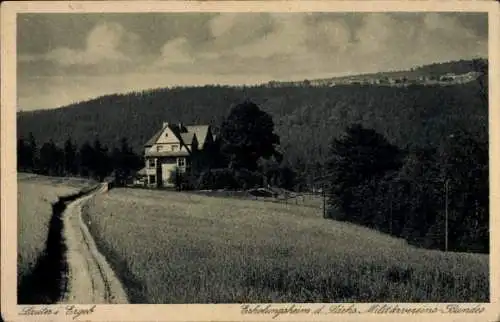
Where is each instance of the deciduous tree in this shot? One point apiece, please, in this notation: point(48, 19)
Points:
point(247, 135)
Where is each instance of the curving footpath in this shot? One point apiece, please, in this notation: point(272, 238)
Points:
point(90, 279)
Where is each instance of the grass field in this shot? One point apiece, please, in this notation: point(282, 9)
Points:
point(170, 247)
point(35, 196)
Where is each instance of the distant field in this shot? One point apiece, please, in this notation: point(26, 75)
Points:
point(170, 247)
point(35, 196)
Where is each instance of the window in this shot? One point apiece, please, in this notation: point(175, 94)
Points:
point(175, 147)
point(181, 162)
point(152, 163)
point(159, 148)
point(152, 179)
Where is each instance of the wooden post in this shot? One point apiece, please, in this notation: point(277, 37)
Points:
point(390, 207)
point(446, 216)
point(324, 202)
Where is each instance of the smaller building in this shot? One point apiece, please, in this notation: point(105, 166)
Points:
point(140, 178)
point(447, 77)
point(176, 149)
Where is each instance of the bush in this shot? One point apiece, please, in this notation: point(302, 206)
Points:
point(247, 179)
point(229, 179)
point(217, 179)
point(182, 180)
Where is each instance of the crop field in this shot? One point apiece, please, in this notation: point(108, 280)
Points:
point(35, 196)
point(171, 247)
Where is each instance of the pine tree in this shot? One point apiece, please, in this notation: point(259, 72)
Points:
point(359, 156)
point(70, 166)
point(32, 154)
point(101, 163)
point(86, 162)
point(22, 155)
point(50, 159)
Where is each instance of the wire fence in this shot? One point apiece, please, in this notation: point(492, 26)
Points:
point(313, 200)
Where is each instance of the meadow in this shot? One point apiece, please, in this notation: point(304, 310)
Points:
point(172, 247)
point(35, 196)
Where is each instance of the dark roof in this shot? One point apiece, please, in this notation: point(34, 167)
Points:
point(201, 132)
point(183, 133)
point(187, 138)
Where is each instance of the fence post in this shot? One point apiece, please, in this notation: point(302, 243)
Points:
point(446, 216)
point(324, 202)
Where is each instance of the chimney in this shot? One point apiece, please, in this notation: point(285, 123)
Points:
point(181, 127)
point(165, 124)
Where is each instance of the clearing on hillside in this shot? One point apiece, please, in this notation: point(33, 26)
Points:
point(170, 247)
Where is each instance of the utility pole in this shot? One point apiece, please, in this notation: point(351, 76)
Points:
point(390, 207)
point(446, 216)
point(324, 180)
point(324, 201)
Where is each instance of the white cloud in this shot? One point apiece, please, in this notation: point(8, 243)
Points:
point(244, 48)
point(331, 35)
point(287, 38)
point(237, 28)
point(104, 43)
point(175, 51)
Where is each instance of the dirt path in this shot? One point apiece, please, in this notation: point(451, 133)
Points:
point(90, 279)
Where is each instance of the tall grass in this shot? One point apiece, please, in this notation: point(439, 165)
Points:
point(36, 196)
point(34, 214)
point(172, 247)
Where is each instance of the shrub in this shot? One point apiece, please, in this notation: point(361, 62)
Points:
point(248, 179)
point(182, 180)
point(229, 179)
point(217, 179)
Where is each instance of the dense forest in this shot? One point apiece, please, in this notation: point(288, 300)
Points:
point(410, 161)
point(90, 160)
point(306, 119)
point(432, 197)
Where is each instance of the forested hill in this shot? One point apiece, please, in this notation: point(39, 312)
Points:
point(306, 118)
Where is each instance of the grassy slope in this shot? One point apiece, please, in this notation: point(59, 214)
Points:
point(171, 247)
point(35, 196)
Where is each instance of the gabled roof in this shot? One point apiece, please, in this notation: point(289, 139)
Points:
point(187, 138)
point(201, 132)
point(155, 137)
point(184, 134)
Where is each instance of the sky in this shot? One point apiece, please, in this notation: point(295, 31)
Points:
point(67, 57)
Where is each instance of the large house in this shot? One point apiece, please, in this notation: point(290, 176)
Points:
point(175, 148)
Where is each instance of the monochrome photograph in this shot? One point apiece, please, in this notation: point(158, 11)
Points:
point(252, 157)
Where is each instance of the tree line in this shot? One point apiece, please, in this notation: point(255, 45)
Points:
point(244, 155)
point(305, 118)
point(435, 198)
point(90, 160)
